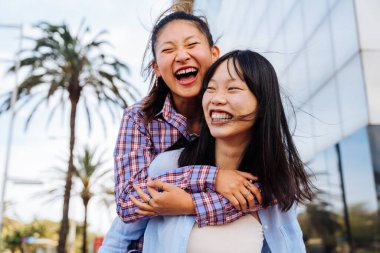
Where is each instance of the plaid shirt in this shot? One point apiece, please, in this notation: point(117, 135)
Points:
point(138, 144)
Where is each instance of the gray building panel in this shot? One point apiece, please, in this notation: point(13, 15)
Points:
point(327, 56)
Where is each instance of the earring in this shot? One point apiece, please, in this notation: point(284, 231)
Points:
point(156, 82)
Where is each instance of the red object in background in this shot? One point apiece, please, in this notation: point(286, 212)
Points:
point(98, 242)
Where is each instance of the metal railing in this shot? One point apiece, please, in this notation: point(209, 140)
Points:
point(10, 134)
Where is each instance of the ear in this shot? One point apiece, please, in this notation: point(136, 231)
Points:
point(156, 69)
point(215, 53)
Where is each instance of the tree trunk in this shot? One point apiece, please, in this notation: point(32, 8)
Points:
point(84, 246)
point(70, 171)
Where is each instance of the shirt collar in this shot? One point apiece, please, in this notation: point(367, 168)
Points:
point(169, 114)
point(168, 110)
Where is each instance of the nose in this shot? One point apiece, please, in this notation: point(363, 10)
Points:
point(182, 55)
point(218, 98)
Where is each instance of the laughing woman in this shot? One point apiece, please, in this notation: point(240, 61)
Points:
point(244, 127)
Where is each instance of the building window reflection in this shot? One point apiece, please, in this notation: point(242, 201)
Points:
point(344, 214)
point(358, 174)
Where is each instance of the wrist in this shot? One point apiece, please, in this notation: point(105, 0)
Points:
point(217, 177)
point(190, 205)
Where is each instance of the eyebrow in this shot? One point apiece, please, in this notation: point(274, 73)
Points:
point(228, 80)
point(171, 43)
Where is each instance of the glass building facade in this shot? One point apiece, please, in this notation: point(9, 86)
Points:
point(325, 56)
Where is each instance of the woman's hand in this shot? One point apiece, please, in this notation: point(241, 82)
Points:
point(237, 187)
point(172, 200)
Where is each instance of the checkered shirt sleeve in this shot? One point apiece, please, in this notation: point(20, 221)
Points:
point(133, 154)
point(214, 209)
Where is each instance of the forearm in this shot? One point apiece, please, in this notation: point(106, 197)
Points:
point(210, 208)
point(121, 235)
point(176, 200)
point(194, 178)
point(190, 178)
point(199, 180)
point(133, 154)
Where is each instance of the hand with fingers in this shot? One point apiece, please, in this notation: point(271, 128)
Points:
point(163, 199)
point(237, 187)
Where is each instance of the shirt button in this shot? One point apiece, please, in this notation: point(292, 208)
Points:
point(265, 227)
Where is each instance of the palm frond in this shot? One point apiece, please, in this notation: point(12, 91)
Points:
point(110, 110)
point(88, 114)
point(102, 121)
point(6, 103)
point(63, 103)
point(106, 75)
point(33, 112)
point(52, 89)
point(29, 83)
point(101, 176)
point(99, 34)
point(97, 43)
point(120, 100)
point(52, 113)
point(81, 31)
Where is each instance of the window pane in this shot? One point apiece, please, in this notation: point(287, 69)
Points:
point(352, 97)
point(314, 13)
point(325, 226)
point(374, 138)
point(321, 220)
point(360, 189)
point(326, 118)
point(344, 32)
point(320, 57)
point(298, 83)
point(294, 30)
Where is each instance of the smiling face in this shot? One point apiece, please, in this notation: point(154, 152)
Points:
point(183, 55)
point(229, 105)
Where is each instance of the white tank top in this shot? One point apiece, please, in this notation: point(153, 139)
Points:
point(244, 235)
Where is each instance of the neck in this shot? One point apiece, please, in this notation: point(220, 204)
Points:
point(228, 153)
point(190, 109)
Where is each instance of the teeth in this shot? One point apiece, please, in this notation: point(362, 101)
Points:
point(185, 71)
point(220, 116)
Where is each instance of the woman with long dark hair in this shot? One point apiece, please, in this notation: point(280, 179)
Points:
point(244, 127)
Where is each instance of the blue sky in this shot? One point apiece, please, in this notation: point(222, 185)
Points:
point(38, 150)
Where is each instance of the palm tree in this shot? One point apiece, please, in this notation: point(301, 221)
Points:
point(91, 181)
point(88, 175)
point(70, 69)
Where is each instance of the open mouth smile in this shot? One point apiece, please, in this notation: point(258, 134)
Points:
point(186, 75)
point(220, 117)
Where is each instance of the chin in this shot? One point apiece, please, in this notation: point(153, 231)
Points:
point(218, 134)
point(189, 94)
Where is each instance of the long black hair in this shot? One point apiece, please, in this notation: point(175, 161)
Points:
point(158, 91)
point(271, 154)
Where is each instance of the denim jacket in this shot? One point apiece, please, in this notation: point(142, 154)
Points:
point(169, 234)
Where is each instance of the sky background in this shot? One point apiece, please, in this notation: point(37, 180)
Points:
point(38, 150)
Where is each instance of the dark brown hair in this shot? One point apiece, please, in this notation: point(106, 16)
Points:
point(271, 154)
point(158, 90)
